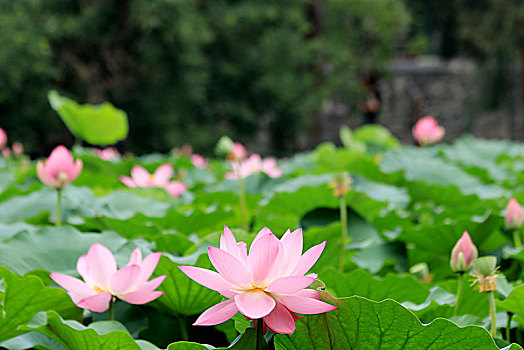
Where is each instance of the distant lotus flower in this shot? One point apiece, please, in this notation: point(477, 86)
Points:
point(18, 148)
point(198, 161)
point(463, 254)
point(3, 138)
point(238, 152)
point(103, 281)
point(140, 177)
point(107, 154)
point(269, 283)
point(59, 168)
point(6, 152)
point(514, 214)
point(427, 131)
point(252, 165)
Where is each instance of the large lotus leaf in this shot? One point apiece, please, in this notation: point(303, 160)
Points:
point(360, 282)
point(123, 205)
point(97, 124)
point(363, 324)
point(514, 302)
point(53, 249)
point(247, 340)
point(195, 220)
point(182, 294)
point(472, 302)
point(74, 336)
point(376, 135)
point(9, 230)
point(26, 296)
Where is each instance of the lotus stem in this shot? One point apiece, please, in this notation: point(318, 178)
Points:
point(242, 197)
point(492, 314)
point(111, 311)
point(508, 326)
point(344, 231)
point(58, 221)
point(183, 328)
point(260, 334)
point(516, 238)
point(459, 293)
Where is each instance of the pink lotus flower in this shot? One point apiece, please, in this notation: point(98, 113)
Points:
point(6, 152)
point(107, 154)
point(18, 148)
point(238, 152)
point(103, 281)
point(198, 161)
point(427, 131)
point(514, 215)
point(3, 138)
point(140, 177)
point(253, 165)
point(268, 283)
point(463, 254)
point(59, 168)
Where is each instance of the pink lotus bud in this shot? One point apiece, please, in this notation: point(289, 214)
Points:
point(59, 168)
point(238, 152)
point(198, 161)
point(270, 283)
point(103, 281)
point(176, 188)
point(427, 131)
point(6, 152)
point(463, 254)
point(18, 148)
point(3, 138)
point(514, 215)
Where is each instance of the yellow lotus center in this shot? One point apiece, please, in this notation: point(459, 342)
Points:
point(152, 177)
point(98, 289)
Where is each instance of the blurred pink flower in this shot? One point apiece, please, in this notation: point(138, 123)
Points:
point(253, 165)
point(268, 283)
point(6, 152)
point(107, 154)
point(198, 161)
point(3, 138)
point(59, 168)
point(140, 177)
point(463, 254)
point(18, 148)
point(427, 131)
point(514, 215)
point(238, 152)
point(103, 281)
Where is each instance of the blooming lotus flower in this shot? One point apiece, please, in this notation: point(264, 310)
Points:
point(198, 161)
point(107, 154)
point(3, 138)
point(253, 165)
point(427, 131)
point(463, 254)
point(140, 177)
point(103, 281)
point(59, 168)
point(514, 215)
point(269, 283)
point(18, 148)
point(238, 152)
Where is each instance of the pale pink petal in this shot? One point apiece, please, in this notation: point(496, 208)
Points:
point(72, 284)
point(228, 242)
point(141, 176)
point(124, 279)
point(289, 284)
point(303, 305)
point(292, 243)
point(264, 231)
point(242, 251)
point(309, 259)
point(207, 278)
point(280, 320)
point(83, 269)
point(44, 176)
point(264, 259)
point(219, 313)
point(198, 161)
point(74, 171)
point(139, 298)
point(230, 267)
point(255, 303)
point(60, 160)
point(136, 257)
point(163, 174)
point(126, 180)
point(152, 285)
point(176, 188)
point(308, 293)
point(148, 266)
point(102, 265)
point(96, 303)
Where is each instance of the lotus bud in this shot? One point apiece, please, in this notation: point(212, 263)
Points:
point(3, 138)
point(427, 131)
point(514, 214)
point(224, 146)
point(18, 148)
point(463, 254)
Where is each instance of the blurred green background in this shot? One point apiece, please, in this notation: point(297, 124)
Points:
point(188, 71)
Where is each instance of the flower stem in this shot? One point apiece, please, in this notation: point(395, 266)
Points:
point(508, 326)
point(183, 328)
point(111, 311)
point(459, 293)
point(493, 314)
point(58, 221)
point(242, 197)
point(260, 334)
point(516, 238)
point(344, 231)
